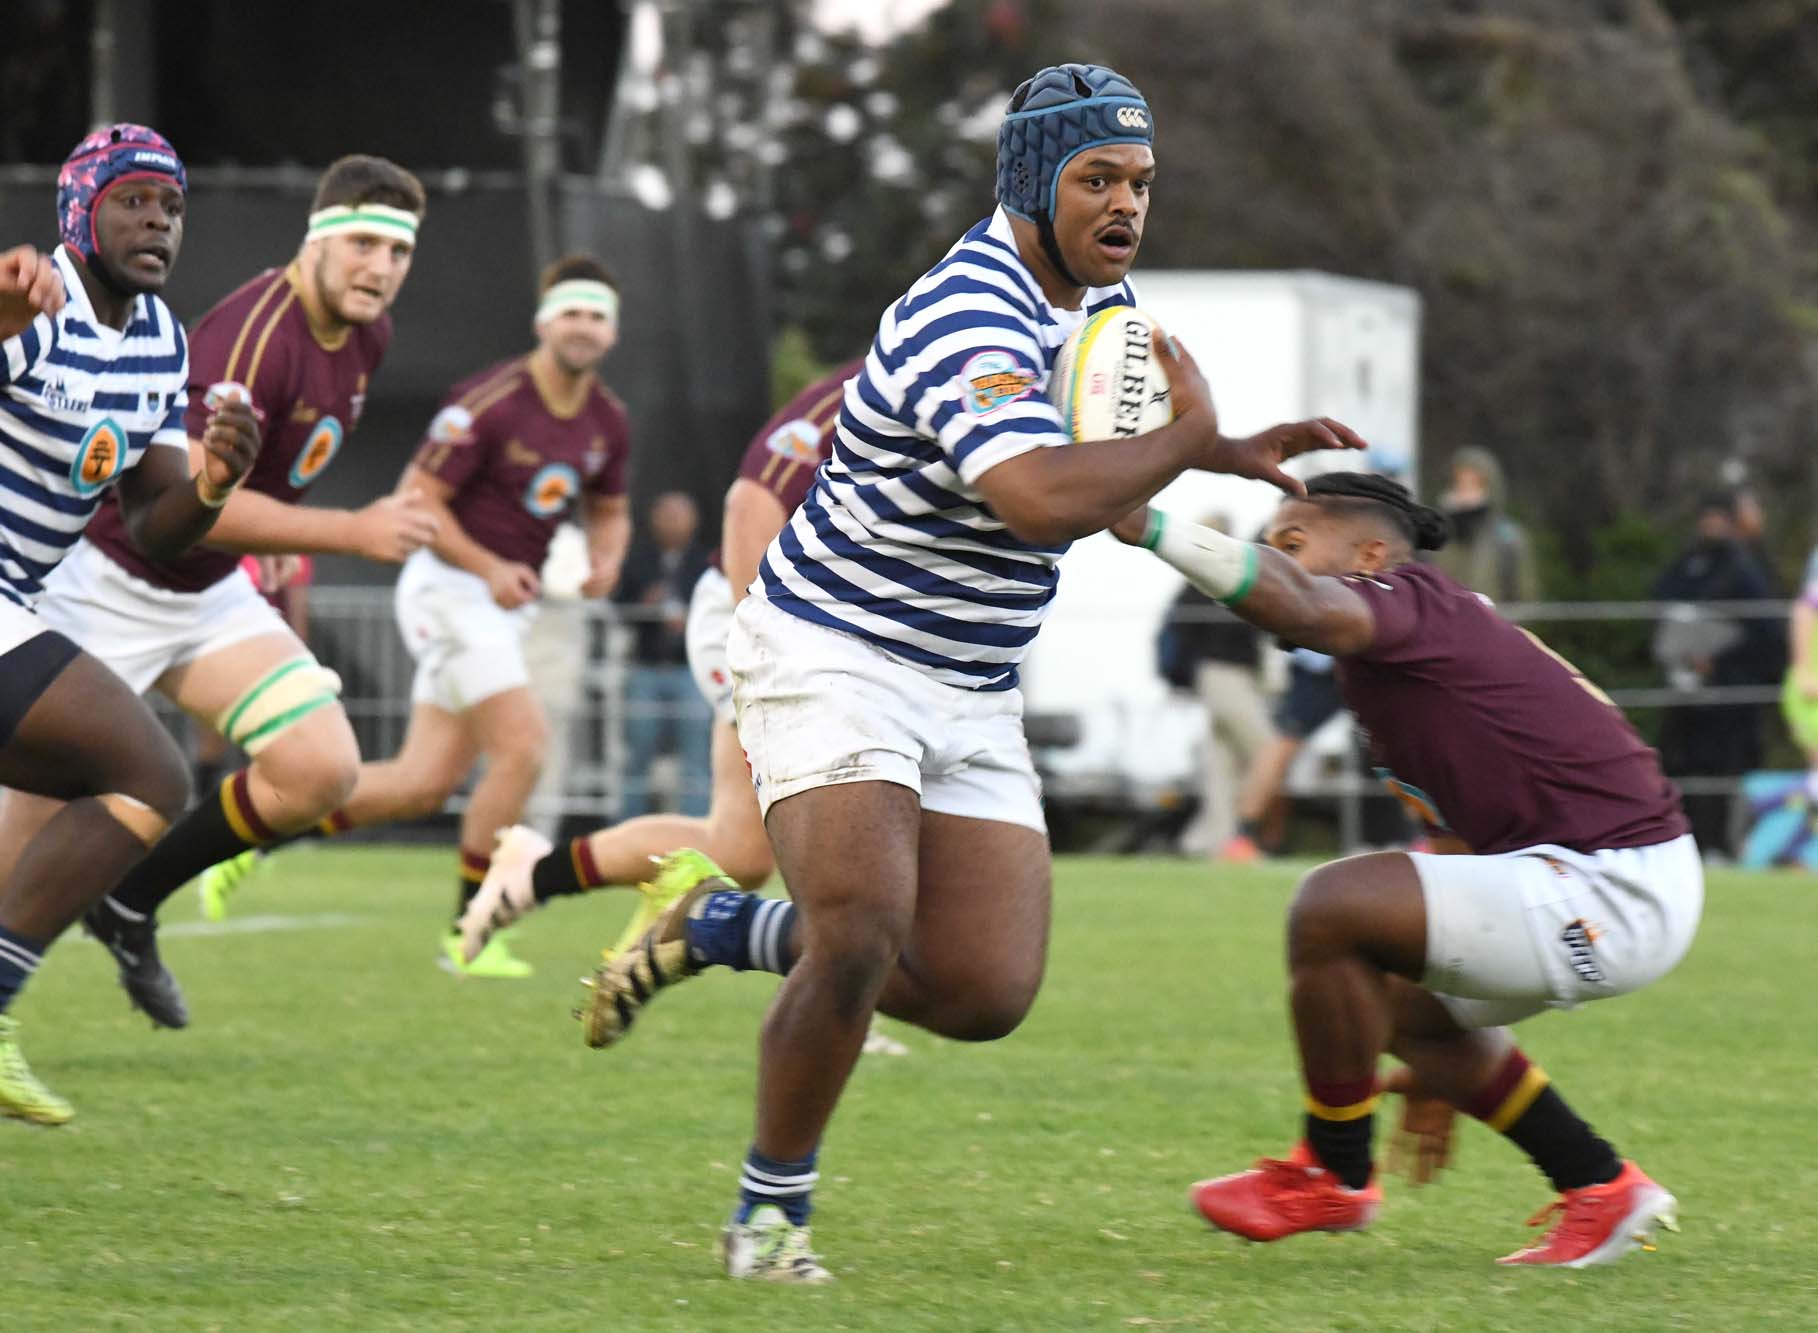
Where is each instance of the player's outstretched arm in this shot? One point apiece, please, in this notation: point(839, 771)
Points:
point(167, 508)
point(29, 286)
point(1054, 495)
point(1256, 582)
point(386, 531)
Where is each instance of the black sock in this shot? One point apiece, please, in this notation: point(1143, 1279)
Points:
point(1340, 1127)
point(567, 869)
point(1519, 1102)
point(222, 826)
point(473, 870)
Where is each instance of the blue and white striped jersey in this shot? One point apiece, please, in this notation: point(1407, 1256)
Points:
point(894, 543)
point(79, 404)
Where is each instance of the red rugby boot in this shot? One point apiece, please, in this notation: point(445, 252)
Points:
point(1283, 1198)
point(1600, 1223)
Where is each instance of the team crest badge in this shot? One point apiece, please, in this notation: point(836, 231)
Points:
point(452, 425)
point(994, 379)
point(551, 489)
point(317, 453)
point(100, 458)
point(797, 441)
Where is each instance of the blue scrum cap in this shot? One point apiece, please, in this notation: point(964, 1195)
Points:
point(1054, 116)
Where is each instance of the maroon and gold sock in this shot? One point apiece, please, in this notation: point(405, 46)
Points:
point(1520, 1103)
point(473, 869)
point(570, 869)
point(1340, 1121)
point(217, 828)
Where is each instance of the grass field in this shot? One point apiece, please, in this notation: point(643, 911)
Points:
point(349, 1138)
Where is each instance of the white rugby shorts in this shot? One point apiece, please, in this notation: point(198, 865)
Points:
point(1550, 928)
point(709, 622)
point(140, 631)
point(817, 708)
point(467, 647)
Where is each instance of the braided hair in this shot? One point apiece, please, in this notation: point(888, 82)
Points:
point(1369, 492)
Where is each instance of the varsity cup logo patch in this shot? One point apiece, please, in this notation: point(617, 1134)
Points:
point(317, 453)
point(550, 491)
point(994, 379)
point(796, 440)
point(100, 458)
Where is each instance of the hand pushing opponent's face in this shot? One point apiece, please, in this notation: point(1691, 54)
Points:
point(1100, 204)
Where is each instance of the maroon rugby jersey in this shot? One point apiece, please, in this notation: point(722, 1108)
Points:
point(1489, 734)
point(789, 449)
point(517, 464)
point(311, 395)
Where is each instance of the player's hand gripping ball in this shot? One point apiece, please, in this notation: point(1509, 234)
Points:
point(1108, 382)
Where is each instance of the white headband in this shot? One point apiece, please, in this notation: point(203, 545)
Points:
point(579, 294)
point(395, 224)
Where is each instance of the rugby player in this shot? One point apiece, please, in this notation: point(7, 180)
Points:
point(527, 871)
point(304, 341)
point(875, 661)
point(1577, 879)
point(94, 371)
point(775, 473)
point(512, 453)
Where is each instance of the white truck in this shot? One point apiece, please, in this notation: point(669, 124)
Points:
point(1273, 347)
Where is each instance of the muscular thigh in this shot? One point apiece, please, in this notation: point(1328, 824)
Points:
point(208, 686)
point(983, 906)
point(849, 855)
point(88, 734)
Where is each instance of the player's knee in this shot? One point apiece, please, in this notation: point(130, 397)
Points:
point(853, 952)
point(992, 1016)
point(525, 750)
point(1322, 916)
point(313, 773)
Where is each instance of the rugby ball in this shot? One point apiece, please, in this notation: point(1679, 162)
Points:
point(1107, 380)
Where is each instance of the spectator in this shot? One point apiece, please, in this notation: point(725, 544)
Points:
point(1308, 703)
point(661, 701)
point(1489, 551)
point(1700, 648)
point(1751, 530)
point(1207, 650)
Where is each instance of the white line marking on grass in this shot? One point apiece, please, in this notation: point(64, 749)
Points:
point(260, 925)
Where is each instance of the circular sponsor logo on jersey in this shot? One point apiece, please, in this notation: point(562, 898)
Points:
point(796, 440)
point(318, 452)
point(551, 490)
point(100, 458)
point(993, 379)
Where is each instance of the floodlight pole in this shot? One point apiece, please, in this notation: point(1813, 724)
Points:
point(538, 27)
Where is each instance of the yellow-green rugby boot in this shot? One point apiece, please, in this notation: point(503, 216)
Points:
point(22, 1096)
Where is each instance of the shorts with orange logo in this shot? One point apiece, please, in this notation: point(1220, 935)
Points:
point(1550, 928)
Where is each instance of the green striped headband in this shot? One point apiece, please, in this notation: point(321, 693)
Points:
point(394, 224)
point(579, 294)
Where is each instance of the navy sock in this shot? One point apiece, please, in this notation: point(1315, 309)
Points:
point(788, 1185)
point(19, 958)
point(743, 931)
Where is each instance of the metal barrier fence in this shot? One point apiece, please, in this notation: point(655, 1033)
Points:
point(582, 659)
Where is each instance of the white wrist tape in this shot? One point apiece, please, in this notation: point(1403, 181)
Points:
point(1219, 566)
